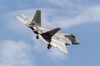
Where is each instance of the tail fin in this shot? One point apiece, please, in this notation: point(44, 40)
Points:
point(37, 18)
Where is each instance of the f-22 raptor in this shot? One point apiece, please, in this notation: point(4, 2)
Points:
point(51, 37)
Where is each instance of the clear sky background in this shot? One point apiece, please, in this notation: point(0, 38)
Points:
point(19, 47)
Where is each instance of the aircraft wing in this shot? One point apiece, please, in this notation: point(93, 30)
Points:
point(59, 45)
point(63, 48)
point(54, 42)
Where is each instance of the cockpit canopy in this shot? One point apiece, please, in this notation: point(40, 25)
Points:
point(70, 35)
point(72, 38)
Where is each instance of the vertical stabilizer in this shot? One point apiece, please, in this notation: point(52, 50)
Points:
point(37, 18)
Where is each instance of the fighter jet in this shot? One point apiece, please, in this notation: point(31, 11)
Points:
point(52, 38)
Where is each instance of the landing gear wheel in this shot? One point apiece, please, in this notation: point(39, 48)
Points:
point(49, 46)
point(37, 37)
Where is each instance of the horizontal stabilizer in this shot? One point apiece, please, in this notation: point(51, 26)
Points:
point(48, 35)
point(51, 32)
point(20, 19)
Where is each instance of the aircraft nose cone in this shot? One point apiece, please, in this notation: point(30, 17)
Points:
point(77, 42)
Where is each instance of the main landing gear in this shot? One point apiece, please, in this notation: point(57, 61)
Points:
point(37, 37)
point(49, 46)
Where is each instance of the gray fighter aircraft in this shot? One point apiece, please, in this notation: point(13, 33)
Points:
point(50, 37)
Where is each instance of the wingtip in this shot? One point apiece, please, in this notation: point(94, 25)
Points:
point(58, 28)
point(17, 17)
point(67, 53)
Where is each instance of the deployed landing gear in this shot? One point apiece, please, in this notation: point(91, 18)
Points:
point(37, 37)
point(49, 46)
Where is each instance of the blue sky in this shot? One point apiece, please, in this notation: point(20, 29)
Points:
point(19, 47)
